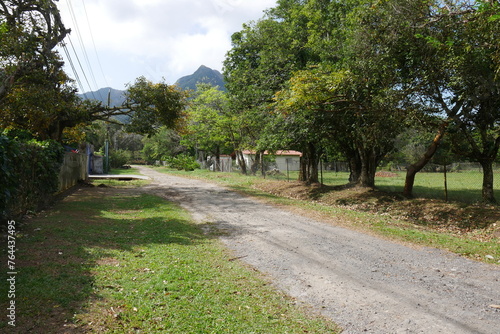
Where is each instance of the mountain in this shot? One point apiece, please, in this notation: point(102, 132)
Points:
point(116, 97)
point(202, 75)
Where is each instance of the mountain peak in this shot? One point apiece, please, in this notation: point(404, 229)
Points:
point(203, 74)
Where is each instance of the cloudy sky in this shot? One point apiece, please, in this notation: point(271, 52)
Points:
point(125, 39)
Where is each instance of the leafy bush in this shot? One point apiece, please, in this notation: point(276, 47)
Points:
point(29, 174)
point(118, 158)
point(183, 162)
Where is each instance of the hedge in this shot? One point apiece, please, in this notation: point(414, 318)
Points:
point(29, 172)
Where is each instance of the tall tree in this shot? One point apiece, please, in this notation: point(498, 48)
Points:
point(209, 125)
point(260, 62)
point(29, 32)
point(152, 105)
point(450, 55)
point(355, 88)
point(36, 94)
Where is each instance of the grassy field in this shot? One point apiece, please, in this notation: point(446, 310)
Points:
point(463, 186)
point(114, 261)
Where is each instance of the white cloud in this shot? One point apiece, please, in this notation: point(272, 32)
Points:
point(161, 38)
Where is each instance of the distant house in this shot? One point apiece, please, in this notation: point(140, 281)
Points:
point(285, 159)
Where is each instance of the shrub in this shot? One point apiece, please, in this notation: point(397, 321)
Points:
point(29, 174)
point(183, 162)
point(118, 158)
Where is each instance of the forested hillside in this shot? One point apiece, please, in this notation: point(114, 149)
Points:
point(202, 75)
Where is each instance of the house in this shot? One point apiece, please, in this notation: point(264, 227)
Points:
point(284, 159)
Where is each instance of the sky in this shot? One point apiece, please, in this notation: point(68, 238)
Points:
point(117, 41)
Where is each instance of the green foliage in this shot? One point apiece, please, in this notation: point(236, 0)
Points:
point(165, 143)
point(183, 162)
point(43, 104)
point(454, 63)
point(210, 126)
point(154, 105)
point(29, 174)
point(119, 158)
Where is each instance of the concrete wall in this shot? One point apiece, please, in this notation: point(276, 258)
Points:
point(74, 168)
point(281, 161)
point(97, 165)
point(293, 163)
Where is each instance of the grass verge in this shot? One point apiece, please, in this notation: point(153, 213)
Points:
point(468, 230)
point(111, 261)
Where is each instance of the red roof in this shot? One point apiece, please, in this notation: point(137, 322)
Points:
point(279, 152)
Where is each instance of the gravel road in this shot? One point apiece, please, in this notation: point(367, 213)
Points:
point(364, 284)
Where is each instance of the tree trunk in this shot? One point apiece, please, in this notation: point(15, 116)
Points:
point(488, 193)
point(217, 159)
point(445, 183)
point(485, 154)
point(313, 165)
point(257, 162)
point(241, 162)
point(309, 165)
point(303, 167)
point(355, 167)
point(263, 165)
point(424, 160)
point(369, 162)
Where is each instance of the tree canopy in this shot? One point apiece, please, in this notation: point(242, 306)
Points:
point(38, 96)
point(351, 76)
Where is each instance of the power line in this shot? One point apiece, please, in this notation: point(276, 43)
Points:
point(70, 60)
point(81, 67)
point(93, 43)
point(84, 53)
point(82, 46)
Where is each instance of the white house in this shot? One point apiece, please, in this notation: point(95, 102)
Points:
point(285, 159)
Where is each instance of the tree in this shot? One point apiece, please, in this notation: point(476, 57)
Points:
point(450, 54)
point(354, 89)
point(361, 119)
point(260, 62)
point(45, 105)
point(152, 105)
point(36, 94)
point(209, 126)
point(161, 145)
point(29, 32)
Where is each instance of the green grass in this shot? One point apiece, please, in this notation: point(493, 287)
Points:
point(135, 263)
point(462, 187)
point(124, 171)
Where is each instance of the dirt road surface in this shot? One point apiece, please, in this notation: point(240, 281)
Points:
point(364, 284)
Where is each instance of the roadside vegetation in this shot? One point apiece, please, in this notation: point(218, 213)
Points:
point(471, 230)
point(107, 260)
